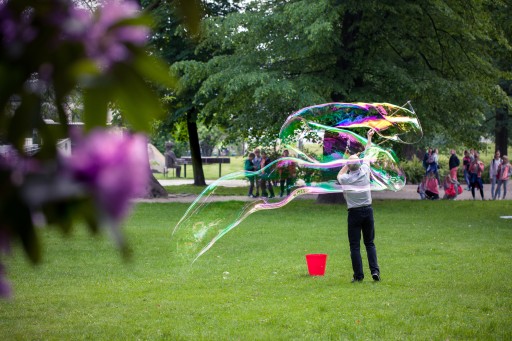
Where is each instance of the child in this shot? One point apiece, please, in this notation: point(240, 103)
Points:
point(502, 177)
point(249, 167)
point(421, 188)
point(432, 187)
point(451, 188)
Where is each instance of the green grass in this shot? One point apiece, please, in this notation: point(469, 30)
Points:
point(445, 271)
point(196, 190)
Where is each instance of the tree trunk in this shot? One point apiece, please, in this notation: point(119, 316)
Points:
point(502, 121)
point(155, 190)
point(195, 150)
point(501, 130)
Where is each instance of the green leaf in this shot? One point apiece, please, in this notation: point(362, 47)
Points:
point(96, 101)
point(154, 70)
point(138, 102)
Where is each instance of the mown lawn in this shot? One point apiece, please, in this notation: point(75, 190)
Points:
point(445, 271)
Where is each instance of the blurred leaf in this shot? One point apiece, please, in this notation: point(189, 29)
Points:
point(23, 122)
point(84, 70)
point(142, 20)
point(96, 101)
point(139, 104)
point(155, 70)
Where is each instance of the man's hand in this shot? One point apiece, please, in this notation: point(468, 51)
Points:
point(369, 135)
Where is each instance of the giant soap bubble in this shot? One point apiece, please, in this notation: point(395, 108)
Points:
point(320, 139)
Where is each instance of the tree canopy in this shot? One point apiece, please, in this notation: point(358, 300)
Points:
point(275, 57)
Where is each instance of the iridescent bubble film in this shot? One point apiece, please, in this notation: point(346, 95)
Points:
point(319, 140)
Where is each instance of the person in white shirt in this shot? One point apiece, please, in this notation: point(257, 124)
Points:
point(493, 171)
point(355, 181)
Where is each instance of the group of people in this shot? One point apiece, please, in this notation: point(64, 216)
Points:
point(285, 172)
point(499, 172)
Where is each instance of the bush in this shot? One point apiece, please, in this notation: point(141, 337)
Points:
point(413, 169)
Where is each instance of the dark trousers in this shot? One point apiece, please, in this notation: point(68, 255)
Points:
point(287, 184)
point(251, 184)
point(360, 220)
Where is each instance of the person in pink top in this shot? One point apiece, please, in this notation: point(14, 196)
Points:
point(432, 186)
point(503, 175)
point(476, 168)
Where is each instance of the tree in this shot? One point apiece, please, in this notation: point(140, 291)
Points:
point(277, 57)
point(174, 40)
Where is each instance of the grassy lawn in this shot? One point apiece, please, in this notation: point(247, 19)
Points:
point(445, 271)
point(220, 190)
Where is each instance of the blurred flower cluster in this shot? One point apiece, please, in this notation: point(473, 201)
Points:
point(49, 50)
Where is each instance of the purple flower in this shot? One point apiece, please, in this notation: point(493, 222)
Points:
point(15, 31)
point(108, 44)
point(114, 167)
point(75, 24)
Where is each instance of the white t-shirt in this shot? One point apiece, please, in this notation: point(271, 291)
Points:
point(356, 186)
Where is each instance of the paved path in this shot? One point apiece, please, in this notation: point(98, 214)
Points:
point(407, 193)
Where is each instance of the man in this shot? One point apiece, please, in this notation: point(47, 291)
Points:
point(355, 179)
point(453, 164)
point(170, 159)
point(425, 159)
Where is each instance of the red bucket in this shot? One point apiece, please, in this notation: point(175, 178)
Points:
point(316, 264)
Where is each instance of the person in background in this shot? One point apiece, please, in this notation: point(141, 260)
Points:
point(171, 161)
point(266, 181)
point(503, 175)
point(466, 161)
point(249, 167)
point(360, 213)
point(493, 171)
point(287, 173)
point(453, 164)
point(476, 168)
point(421, 188)
point(451, 187)
point(432, 187)
point(425, 159)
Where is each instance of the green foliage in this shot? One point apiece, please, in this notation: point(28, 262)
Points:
point(277, 57)
point(414, 171)
point(441, 262)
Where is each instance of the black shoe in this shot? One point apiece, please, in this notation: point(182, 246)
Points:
point(272, 196)
point(376, 277)
point(356, 280)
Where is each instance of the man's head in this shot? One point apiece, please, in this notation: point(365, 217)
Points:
point(169, 145)
point(353, 165)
